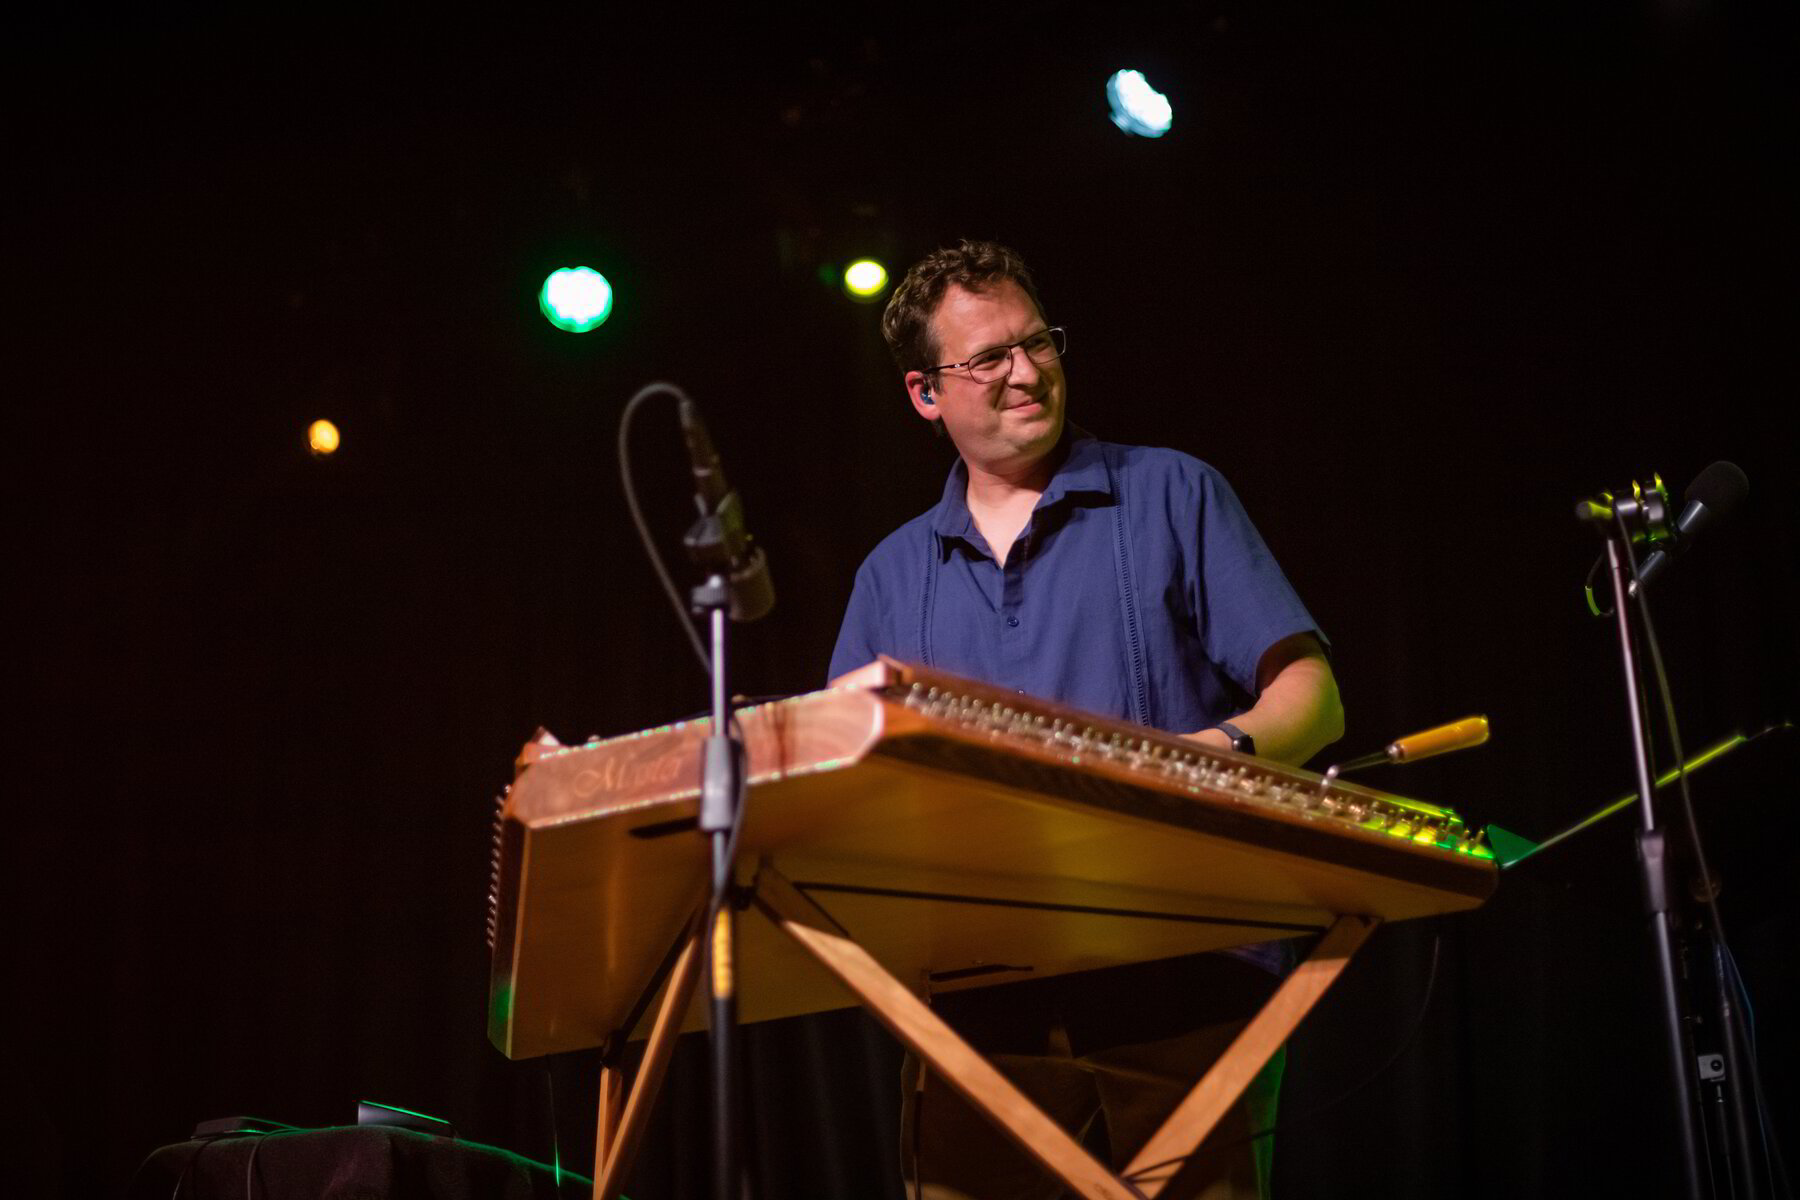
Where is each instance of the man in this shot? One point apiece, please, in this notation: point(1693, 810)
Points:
point(1123, 580)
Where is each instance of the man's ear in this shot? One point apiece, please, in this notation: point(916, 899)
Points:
point(924, 400)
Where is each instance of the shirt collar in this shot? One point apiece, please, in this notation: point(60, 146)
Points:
point(1083, 470)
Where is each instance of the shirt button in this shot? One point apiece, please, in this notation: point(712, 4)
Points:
point(1012, 622)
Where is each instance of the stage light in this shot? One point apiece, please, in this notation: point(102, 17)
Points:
point(865, 279)
point(1138, 108)
point(323, 437)
point(576, 299)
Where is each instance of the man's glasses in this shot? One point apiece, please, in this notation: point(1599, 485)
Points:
point(1042, 347)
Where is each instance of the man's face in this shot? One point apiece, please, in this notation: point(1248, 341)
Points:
point(1008, 424)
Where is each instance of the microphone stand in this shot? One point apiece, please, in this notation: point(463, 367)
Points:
point(1653, 867)
point(722, 786)
point(736, 587)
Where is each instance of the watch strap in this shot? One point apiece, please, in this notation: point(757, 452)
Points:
point(1242, 742)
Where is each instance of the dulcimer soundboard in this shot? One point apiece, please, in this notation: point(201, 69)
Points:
point(965, 835)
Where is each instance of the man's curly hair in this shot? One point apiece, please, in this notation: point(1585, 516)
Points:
point(972, 265)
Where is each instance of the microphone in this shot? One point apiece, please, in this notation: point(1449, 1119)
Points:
point(710, 487)
point(1712, 497)
point(719, 541)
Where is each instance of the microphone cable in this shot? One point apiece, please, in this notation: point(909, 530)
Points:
point(637, 515)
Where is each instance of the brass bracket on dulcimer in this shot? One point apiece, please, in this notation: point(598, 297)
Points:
point(1198, 769)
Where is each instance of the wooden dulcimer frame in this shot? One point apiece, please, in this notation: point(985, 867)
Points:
point(911, 832)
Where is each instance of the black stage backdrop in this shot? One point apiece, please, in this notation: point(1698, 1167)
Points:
point(1414, 282)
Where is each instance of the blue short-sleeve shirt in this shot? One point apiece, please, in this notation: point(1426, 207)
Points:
point(1139, 589)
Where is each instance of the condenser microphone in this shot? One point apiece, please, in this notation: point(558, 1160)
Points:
point(745, 568)
point(1714, 495)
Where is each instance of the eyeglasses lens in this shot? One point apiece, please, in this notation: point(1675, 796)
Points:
point(1045, 346)
point(990, 365)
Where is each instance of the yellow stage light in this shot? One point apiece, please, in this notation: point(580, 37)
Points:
point(323, 437)
point(865, 279)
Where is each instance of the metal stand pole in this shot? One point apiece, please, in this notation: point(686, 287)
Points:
point(721, 787)
point(1654, 868)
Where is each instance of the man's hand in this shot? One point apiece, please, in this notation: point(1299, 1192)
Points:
point(1215, 738)
point(870, 675)
point(1297, 712)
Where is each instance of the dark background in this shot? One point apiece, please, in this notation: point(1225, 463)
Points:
point(1414, 281)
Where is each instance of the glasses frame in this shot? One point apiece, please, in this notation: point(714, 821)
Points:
point(1059, 338)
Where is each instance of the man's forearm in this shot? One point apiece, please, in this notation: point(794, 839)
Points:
point(1297, 715)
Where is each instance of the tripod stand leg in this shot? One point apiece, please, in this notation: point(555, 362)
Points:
point(612, 1110)
point(619, 1143)
point(935, 1042)
point(1220, 1088)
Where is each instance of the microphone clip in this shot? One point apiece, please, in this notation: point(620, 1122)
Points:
point(719, 544)
point(1647, 514)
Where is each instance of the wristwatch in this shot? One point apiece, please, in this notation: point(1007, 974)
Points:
point(1242, 742)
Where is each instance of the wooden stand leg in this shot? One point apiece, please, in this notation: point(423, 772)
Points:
point(935, 1042)
point(612, 1107)
point(1196, 1116)
point(619, 1131)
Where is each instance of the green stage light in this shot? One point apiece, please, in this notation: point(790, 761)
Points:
point(865, 279)
point(576, 299)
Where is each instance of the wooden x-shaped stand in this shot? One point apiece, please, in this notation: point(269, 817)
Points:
point(623, 1118)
